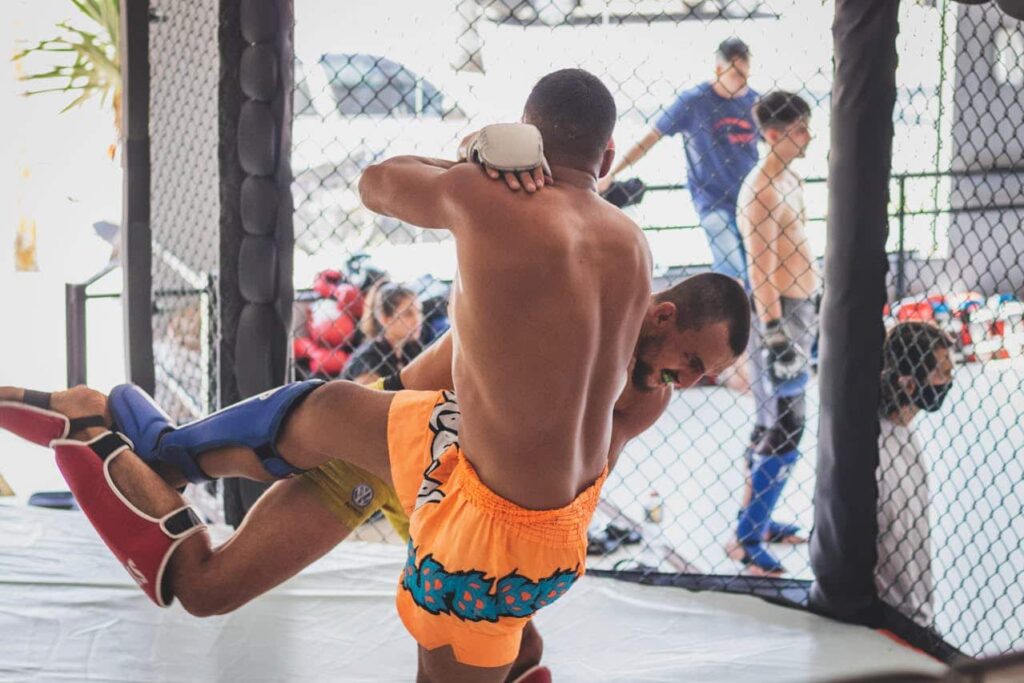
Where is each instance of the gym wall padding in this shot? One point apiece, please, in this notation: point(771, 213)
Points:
point(256, 235)
point(843, 546)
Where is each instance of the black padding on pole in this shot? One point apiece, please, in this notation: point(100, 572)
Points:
point(259, 204)
point(257, 138)
point(136, 231)
point(259, 254)
point(258, 74)
point(254, 361)
point(843, 546)
point(260, 20)
point(257, 237)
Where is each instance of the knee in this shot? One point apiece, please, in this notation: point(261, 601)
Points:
point(319, 405)
point(787, 431)
point(202, 603)
point(80, 401)
point(202, 596)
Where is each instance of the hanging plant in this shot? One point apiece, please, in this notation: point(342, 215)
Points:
point(88, 59)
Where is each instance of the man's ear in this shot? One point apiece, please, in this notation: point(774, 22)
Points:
point(664, 312)
point(607, 159)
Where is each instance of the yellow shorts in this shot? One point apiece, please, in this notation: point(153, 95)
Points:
point(479, 566)
point(353, 494)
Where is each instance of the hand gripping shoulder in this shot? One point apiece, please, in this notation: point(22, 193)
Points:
point(509, 147)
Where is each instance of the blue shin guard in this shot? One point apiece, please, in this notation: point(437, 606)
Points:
point(775, 532)
point(768, 476)
point(254, 423)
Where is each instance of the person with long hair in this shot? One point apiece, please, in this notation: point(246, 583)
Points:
point(391, 325)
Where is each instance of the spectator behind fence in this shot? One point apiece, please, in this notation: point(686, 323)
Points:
point(721, 148)
point(391, 325)
point(917, 373)
point(784, 284)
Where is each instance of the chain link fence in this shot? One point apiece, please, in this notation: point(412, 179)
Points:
point(950, 492)
point(724, 119)
point(184, 58)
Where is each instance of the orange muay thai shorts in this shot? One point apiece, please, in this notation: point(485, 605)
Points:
point(479, 566)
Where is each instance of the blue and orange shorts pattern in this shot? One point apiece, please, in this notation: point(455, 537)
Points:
point(479, 566)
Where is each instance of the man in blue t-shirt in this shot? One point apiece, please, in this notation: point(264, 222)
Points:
point(718, 130)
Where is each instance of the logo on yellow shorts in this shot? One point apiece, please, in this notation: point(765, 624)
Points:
point(362, 495)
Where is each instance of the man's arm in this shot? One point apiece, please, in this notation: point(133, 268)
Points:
point(432, 369)
point(678, 118)
point(416, 190)
point(761, 235)
point(632, 155)
point(635, 413)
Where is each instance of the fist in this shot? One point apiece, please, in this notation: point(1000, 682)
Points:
point(783, 358)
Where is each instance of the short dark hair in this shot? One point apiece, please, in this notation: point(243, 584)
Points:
point(710, 298)
point(575, 113)
point(778, 109)
point(908, 351)
point(732, 48)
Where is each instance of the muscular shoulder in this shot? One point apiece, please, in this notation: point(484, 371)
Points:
point(694, 93)
point(633, 248)
point(758, 195)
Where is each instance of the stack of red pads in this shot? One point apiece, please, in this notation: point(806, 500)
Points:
point(331, 325)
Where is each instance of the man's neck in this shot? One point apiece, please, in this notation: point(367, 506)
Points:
point(574, 177)
point(725, 93)
point(774, 165)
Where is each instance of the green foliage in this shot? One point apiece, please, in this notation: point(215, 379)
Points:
point(91, 63)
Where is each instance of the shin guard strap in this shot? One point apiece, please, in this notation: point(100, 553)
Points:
point(37, 399)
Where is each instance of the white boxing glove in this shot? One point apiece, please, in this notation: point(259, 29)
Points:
point(510, 147)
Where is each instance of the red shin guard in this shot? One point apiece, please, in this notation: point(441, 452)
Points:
point(143, 544)
point(38, 425)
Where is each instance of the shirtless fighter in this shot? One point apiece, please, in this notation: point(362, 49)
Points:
point(495, 535)
point(311, 513)
point(785, 282)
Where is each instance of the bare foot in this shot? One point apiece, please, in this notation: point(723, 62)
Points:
point(734, 550)
point(791, 539)
point(81, 401)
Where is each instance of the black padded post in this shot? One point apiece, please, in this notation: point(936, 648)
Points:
point(136, 238)
point(843, 546)
point(256, 212)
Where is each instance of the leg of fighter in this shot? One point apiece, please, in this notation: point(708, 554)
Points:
point(784, 533)
point(440, 666)
point(772, 461)
point(288, 529)
point(272, 436)
point(285, 531)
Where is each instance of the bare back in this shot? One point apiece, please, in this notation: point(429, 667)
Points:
point(547, 307)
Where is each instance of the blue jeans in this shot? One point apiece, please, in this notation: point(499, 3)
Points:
point(727, 253)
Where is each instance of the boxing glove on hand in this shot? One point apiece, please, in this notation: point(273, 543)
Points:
point(507, 147)
point(782, 357)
